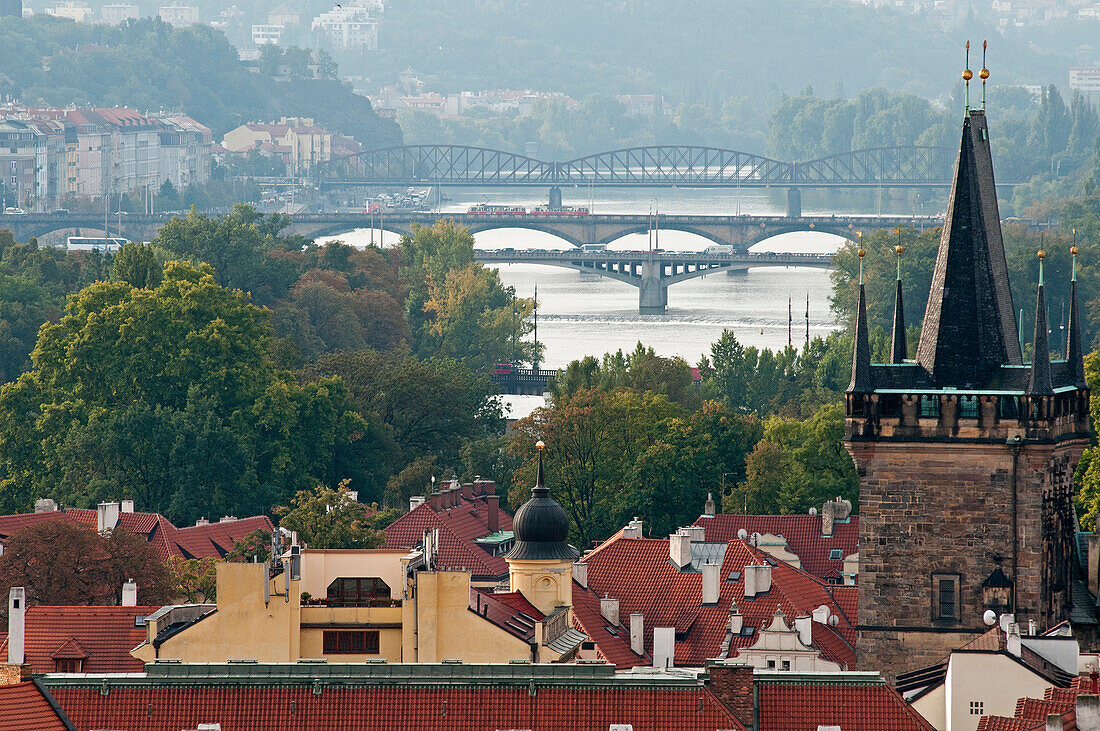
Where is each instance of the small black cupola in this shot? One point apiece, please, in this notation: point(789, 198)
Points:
point(541, 526)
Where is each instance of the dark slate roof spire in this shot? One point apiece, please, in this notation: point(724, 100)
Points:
point(541, 525)
point(969, 330)
point(861, 353)
point(1074, 357)
point(1039, 383)
point(898, 348)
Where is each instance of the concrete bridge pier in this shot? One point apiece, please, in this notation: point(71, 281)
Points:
point(794, 203)
point(652, 290)
point(555, 197)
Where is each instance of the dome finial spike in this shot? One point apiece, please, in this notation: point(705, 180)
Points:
point(984, 73)
point(1073, 253)
point(861, 252)
point(540, 481)
point(967, 76)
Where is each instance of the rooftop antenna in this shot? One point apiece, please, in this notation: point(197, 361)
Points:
point(984, 73)
point(967, 76)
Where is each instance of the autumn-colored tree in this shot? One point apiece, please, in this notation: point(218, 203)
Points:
point(193, 580)
point(63, 562)
point(256, 546)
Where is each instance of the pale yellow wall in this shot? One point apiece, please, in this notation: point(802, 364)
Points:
point(385, 620)
point(546, 584)
point(777, 546)
point(243, 138)
point(996, 680)
point(320, 567)
point(933, 706)
point(441, 625)
point(242, 627)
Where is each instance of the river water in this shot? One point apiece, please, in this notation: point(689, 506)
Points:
point(583, 314)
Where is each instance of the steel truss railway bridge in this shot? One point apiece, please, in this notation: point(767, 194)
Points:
point(654, 166)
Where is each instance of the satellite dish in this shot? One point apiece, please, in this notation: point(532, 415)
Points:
point(813, 511)
point(742, 534)
point(990, 618)
point(834, 620)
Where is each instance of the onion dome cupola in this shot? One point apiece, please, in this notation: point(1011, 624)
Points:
point(541, 526)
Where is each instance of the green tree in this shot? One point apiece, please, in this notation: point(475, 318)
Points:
point(329, 518)
point(256, 546)
point(136, 264)
point(193, 579)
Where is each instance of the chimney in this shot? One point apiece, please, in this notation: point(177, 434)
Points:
point(1012, 640)
point(711, 582)
point(17, 608)
point(580, 574)
point(201, 522)
point(127, 506)
point(1032, 628)
point(609, 610)
point(1088, 712)
point(228, 519)
point(129, 594)
point(664, 647)
point(758, 580)
point(1006, 621)
point(415, 502)
point(106, 516)
point(708, 506)
point(736, 621)
point(1054, 722)
point(804, 625)
point(821, 614)
point(436, 501)
point(467, 491)
point(452, 497)
point(828, 514)
point(45, 505)
point(633, 529)
point(679, 549)
point(637, 634)
point(492, 514)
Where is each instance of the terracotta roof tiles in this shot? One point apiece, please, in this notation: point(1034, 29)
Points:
point(28, 707)
point(459, 527)
point(804, 706)
point(612, 643)
point(105, 636)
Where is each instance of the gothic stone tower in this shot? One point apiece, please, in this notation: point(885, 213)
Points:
point(965, 454)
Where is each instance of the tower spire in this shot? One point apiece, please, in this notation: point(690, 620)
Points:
point(967, 76)
point(898, 349)
point(969, 328)
point(540, 480)
point(984, 73)
point(1039, 384)
point(1074, 358)
point(861, 353)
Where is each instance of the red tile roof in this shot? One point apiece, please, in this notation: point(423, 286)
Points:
point(508, 610)
point(458, 528)
point(105, 636)
point(213, 540)
point(612, 643)
point(803, 535)
point(638, 572)
point(28, 707)
point(799, 705)
point(355, 709)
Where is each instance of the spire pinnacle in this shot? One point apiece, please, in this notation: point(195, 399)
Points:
point(861, 353)
point(861, 253)
point(1074, 356)
point(984, 73)
point(898, 347)
point(540, 481)
point(1039, 384)
point(967, 76)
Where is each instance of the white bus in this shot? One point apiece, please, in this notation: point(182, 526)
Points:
point(94, 243)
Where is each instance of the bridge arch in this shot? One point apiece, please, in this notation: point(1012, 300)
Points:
point(771, 231)
point(547, 228)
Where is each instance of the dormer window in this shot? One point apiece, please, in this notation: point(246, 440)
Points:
point(68, 666)
point(357, 592)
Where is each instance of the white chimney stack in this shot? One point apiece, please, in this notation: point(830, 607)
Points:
point(711, 582)
point(1012, 640)
point(633, 529)
point(664, 647)
point(129, 594)
point(1088, 712)
point(127, 506)
point(804, 625)
point(698, 533)
point(709, 506)
point(580, 573)
point(107, 516)
point(415, 502)
point(17, 609)
point(637, 634)
point(609, 610)
point(758, 580)
point(736, 621)
point(1054, 722)
point(821, 614)
point(679, 549)
point(45, 505)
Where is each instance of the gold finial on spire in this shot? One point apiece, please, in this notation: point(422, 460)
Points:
point(540, 445)
point(1073, 253)
point(967, 76)
point(861, 253)
point(984, 73)
point(1042, 255)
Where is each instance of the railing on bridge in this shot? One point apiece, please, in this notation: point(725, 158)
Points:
point(524, 381)
point(658, 165)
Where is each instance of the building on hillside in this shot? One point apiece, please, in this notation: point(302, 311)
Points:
point(825, 545)
point(284, 15)
point(77, 10)
point(684, 600)
point(348, 27)
point(472, 533)
point(1085, 79)
point(11, 8)
point(297, 141)
point(266, 34)
point(987, 675)
point(180, 16)
point(32, 156)
point(203, 540)
point(117, 14)
point(966, 453)
point(83, 639)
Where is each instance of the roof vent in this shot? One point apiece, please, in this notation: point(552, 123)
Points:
point(228, 519)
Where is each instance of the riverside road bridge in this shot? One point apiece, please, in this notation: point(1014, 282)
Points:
point(738, 232)
point(651, 272)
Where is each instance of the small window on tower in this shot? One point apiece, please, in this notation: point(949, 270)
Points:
point(945, 597)
point(929, 406)
point(968, 407)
